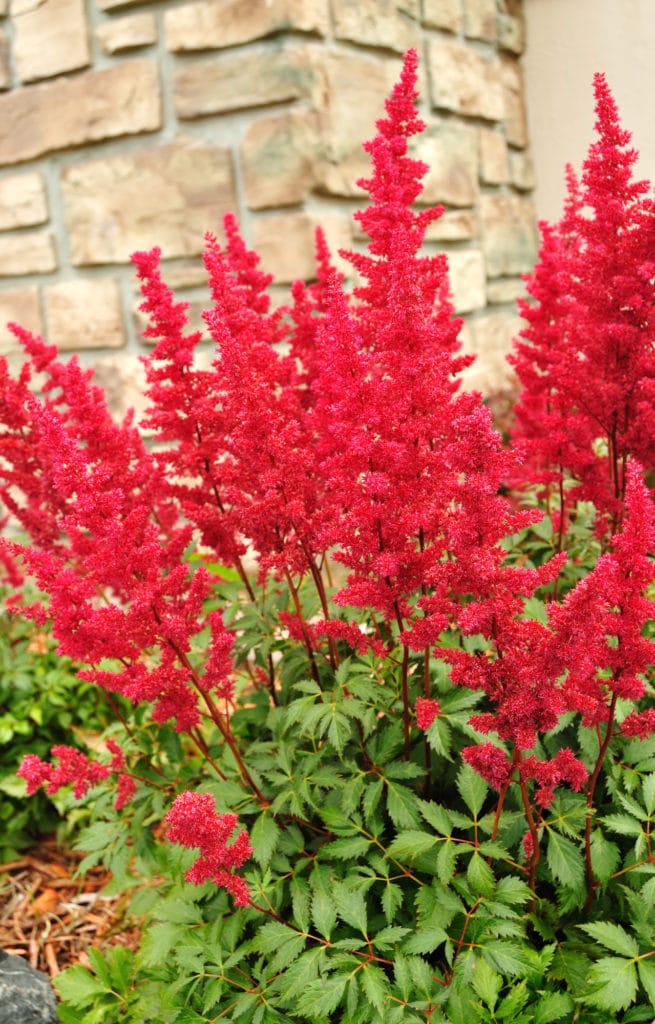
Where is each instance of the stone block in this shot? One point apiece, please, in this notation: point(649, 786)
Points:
point(522, 174)
point(511, 33)
point(480, 19)
point(467, 280)
point(388, 24)
point(286, 244)
point(84, 314)
point(23, 201)
point(113, 5)
point(75, 111)
point(489, 338)
point(509, 237)
point(50, 38)
point(516, 124)
point(5, 69)
point(29, 252)
point(185, 273)
point(451, 151)
point(350, 100)
point(505, 290)
point(465, 82)
point(19, 306)
point(453, 226)
point(445, 14)
point(494, 159)
point(278, 156)
point(122, 378)
point(25, 994)
point(208, 24)
point(243, 79)
point(127, 33)
point(166, 195)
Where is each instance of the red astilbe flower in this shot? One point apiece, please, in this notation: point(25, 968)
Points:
point(193, 822)
point(75, 768)
point(587, 360)
point(237, 440)
point(598, 640)
point(411, 468)
point(427, 709)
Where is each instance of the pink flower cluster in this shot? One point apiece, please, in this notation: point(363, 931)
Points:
point(75, 769)
point(193, 822)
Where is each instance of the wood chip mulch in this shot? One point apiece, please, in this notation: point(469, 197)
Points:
point(51, 918)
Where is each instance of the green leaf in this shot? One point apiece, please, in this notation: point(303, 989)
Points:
point(447, 861)
point(158, 940)
point(612, 936)
point(425, 940)
point(321, 998)
point(324, 914)
point(392, 898)
point(410, 844)
point(389, 937)
point(605, 856)
point(472, 788)
point(646, 970)
point(487, 983)
point(648, 792)
point(507, 958)
point(480, 875)
point(611, 983)
point(375, 986)
point(402, 806)
point(514, 1002)
point(565, 860)
point(351, 906)
point(349, 848)
point(553, 1006)
point(622, 824)
point(300, 902)
point(512, 891)
point(437, 816)
point(264, 837)
point(78, 986)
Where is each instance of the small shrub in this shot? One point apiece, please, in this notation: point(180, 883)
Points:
point(404, 770)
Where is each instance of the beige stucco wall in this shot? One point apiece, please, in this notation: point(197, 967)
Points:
point(567, 42)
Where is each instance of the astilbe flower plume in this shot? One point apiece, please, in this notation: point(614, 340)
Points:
point(193, 822)
point(74, 768)
point(586, 362)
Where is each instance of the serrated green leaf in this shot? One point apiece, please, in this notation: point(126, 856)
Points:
point(158, 940)
point(437, 816)
point(486, 982)
point(512, 891)
point(447, 860)
point(402, 806)
point(349, 848)
point(300, 902)
point(605, 856)
point(264, 837)
point(78, 986)
point(439, 737)
point(622, 824)
point(351, 906)
point(425, 940)
point(553, 1006)
point(613, 936)
point(611, 983)
point(648, 792)
point(565, 860)
point(507, 958)
point(321, 998)
point(389, 937)
point(375, 986)
point(480, 876)
point(472, 788)
point(512, 1005)
point(271, 936)
point(646, 970)
point(410, 844)
point(324, 914)
point(392, 898)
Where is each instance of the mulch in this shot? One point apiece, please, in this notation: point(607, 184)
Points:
point(51, 918)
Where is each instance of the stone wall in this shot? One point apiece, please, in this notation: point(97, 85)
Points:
point(126, 124)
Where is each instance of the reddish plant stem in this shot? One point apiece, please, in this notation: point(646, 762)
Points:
point(592, 885)
point(303, 625)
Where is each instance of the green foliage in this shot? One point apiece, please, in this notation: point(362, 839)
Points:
point(41, 704)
